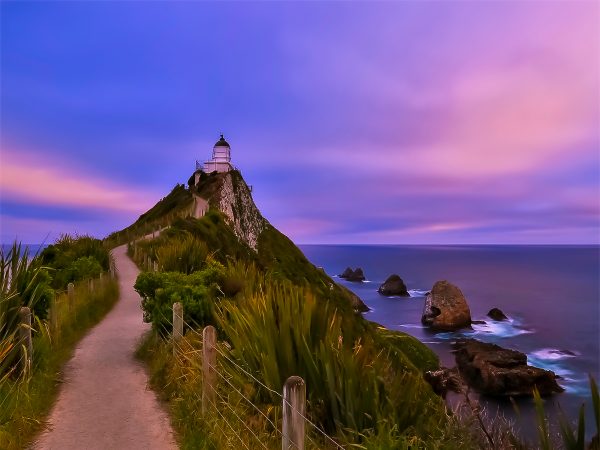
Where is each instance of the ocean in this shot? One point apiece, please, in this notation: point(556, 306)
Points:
point(551, 295)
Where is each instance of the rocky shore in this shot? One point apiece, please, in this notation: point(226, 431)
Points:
point(487, 368)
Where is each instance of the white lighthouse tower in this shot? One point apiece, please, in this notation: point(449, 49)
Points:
point(221, 158)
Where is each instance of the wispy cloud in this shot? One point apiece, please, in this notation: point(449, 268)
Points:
point(49, 181)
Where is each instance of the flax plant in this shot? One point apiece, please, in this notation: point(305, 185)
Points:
point(282, 330)
point(23, 282)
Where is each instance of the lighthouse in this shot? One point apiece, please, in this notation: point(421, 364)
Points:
point(221, 158)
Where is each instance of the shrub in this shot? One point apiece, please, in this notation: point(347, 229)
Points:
point(75, 258)
point(84, 268)
point(197, 293)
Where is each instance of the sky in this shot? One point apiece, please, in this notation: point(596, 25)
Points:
point(401, 122)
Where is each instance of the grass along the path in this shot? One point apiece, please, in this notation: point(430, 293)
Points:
point(25, 403)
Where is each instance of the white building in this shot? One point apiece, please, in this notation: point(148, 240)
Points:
point(221, 158)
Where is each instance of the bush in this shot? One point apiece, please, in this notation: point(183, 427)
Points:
point(75, 258)
point(197, 293)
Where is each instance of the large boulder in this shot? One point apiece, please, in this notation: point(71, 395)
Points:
point(497, 371)
point(393, 286)
point(446, 308)
point(497, 314)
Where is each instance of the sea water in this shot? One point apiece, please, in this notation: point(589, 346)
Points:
point(550, 294)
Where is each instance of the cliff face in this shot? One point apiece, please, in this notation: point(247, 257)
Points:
point(229, 193)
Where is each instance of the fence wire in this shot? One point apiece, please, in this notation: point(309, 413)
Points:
point(223, 375)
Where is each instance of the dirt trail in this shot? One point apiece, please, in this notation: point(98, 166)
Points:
point(104, 402)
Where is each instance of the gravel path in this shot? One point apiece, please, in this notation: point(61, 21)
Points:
point(104, 402)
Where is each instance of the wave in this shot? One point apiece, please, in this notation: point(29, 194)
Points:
point(411, 325)
point(554, 360)
point(553, 354)
point(503, 329)
point(488, 331)
point(417, 292)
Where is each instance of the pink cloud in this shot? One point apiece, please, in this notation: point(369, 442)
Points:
point(52, 182)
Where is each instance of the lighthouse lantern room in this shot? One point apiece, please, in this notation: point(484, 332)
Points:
point(221, 158)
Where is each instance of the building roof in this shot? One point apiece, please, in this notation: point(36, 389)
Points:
point(222, 142)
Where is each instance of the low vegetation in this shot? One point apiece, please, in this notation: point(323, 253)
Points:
point(72, 259)
point(176, 203)
point(277, 315)
point(58, 324)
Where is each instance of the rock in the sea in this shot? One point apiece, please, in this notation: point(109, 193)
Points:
point(444, 380)
point(497, 371)
point(353, 275)
point(358, 275)
point(446, 308)
point(393, 286)
point(346, 273)
point(497, 314)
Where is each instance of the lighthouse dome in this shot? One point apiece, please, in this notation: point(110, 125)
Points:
point(222, 143)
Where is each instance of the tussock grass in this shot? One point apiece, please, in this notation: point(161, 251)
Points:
point(283, 330)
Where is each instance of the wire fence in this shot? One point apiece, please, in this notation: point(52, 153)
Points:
point(231, 400)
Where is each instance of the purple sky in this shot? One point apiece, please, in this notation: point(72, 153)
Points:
point(395, 122)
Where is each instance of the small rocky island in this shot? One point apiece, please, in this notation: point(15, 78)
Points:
point(446, 308)
point(497, 315)
point(352, 275)
point(393, 286)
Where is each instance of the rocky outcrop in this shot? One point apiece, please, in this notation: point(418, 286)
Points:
point(446, 308)
point(346, 273)
point(357, 303)
point(393, 286)
point(497, 314)
point(444, 380)
point(229, 193)
point(352, 275)
point(497, 371)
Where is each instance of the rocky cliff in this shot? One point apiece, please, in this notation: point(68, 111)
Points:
point(229, 193)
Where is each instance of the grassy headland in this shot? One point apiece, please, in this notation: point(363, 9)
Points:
point(277, 315)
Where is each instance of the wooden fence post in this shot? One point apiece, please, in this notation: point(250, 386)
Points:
point(54, 316)
point(294, 407)
point(209, 363)
point(71, 295)
point(25, 337)
point(177, 325)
